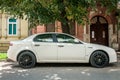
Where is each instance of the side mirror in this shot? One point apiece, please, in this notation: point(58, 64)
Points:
point(76, 41)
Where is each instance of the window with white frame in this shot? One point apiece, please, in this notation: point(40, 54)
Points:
point(12, 26)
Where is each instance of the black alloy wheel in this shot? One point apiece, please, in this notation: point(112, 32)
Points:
point(99, 59)
point(26, 60)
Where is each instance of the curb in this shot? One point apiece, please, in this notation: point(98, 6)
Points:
point(118, 53)
point(6, 60)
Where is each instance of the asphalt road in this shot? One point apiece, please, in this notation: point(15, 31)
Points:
point(11, 71)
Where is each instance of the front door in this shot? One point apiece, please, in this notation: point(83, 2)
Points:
point(68, 50)
point(99, 33)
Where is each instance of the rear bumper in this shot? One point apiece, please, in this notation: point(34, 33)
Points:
point(9, 60)
point(11, 55)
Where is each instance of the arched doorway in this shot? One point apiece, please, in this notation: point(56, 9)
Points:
point(99, 30)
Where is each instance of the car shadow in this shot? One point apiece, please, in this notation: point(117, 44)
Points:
point(62, 65)
point(46, 65)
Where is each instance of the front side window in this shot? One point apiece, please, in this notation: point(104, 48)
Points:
point(65, 38)
point(12, 26)
point(44, 38)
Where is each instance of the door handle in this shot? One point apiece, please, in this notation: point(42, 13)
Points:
point(36, 45)
point(60, 45)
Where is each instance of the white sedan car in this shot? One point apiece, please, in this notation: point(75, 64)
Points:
point(55, 47)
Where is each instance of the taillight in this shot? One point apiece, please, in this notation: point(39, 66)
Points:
point(11, 44)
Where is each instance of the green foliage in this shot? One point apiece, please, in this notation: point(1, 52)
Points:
point(109, 4)
point(48, 11)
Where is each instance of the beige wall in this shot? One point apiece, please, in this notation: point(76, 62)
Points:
point(22, 29)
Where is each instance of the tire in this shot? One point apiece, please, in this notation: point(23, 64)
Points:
point(99, 59)
point(26, 60)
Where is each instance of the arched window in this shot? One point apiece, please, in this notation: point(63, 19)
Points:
point(12, 26)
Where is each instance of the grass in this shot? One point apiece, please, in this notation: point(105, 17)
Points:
point(3, 56)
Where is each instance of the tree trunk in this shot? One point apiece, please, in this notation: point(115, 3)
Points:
point(64, 20)
point(65, 28)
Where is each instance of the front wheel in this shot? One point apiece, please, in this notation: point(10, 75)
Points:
point(99, 59)
point(26, 60)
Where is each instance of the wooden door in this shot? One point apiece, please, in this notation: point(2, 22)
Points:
point(99, 34)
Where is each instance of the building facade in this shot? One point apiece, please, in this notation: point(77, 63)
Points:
point(11, 29)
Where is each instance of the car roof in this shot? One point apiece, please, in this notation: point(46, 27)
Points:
point(31, 36)
point(53, 33)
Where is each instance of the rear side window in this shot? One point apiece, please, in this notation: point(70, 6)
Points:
point(43, 38)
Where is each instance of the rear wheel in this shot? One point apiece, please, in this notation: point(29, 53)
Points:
point(26, 60)
point(99, 59)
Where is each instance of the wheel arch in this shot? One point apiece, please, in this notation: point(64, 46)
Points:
point(102, 51)
point(26, 51)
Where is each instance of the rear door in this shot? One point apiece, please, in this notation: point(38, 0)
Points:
point(45, 47)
